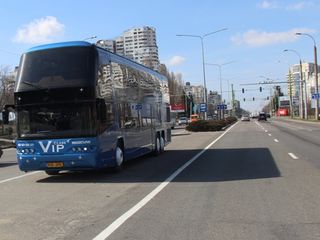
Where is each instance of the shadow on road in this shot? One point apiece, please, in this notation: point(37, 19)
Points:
point(2, 165)
point(215, 165)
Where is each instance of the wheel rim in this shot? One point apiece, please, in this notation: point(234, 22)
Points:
point(119, 156)
point(158, 145)
point(161, 144)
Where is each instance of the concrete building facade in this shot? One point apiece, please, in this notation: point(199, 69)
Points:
point(138, 44)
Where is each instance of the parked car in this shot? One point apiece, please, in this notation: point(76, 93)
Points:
point(183, 121)
point(1, 152)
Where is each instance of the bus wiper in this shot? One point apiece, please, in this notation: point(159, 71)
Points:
point(31, 84)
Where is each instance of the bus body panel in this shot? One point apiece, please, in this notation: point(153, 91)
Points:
point(123, 103)
point(78, 153)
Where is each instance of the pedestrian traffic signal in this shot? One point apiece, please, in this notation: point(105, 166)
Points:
point(242, 90)
point(260, 89)
point(253, 99)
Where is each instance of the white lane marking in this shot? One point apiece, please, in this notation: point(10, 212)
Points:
point(276, 140)
point(270, 134)
point(260, 125)
point(293, 156)
point(21, 176)
point(266, 131)
point(123, 218)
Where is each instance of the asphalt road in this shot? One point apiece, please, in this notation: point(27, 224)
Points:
point(257, 180)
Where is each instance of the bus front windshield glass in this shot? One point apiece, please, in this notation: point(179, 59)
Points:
point(56, 68)
point(56, 121)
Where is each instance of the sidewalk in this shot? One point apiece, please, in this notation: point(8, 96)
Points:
point(6, 143)
point(311, 121)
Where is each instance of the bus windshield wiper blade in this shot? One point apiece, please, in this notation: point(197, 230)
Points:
point(31, 84)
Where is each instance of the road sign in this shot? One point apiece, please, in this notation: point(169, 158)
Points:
point(222, 106)
point(203, 107)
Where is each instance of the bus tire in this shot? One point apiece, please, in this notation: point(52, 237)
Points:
point(157, 147)
point(161, 144)
point(119, 157)
point(52, 172)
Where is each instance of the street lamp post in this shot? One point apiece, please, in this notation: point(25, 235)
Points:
point(303, 101)
point(89, 38)
point(315, 71)
point(201, 37)
point(220, 74)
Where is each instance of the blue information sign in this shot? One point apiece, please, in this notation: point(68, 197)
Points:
point(221, 106)
point(203, 107)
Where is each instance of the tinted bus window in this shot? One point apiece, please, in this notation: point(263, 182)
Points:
point(56, 68)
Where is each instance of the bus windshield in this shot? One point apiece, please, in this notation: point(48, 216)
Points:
point(56, 121)
point(56, 68)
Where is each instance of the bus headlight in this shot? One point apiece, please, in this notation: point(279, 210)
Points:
point(25, 151)
point(83, 149)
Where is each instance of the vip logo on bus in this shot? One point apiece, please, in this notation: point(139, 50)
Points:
point(50, 146)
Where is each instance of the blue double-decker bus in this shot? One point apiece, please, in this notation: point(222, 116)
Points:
point(81, 107)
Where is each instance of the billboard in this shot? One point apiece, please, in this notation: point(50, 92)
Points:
point(177, 107)
point(284, 102)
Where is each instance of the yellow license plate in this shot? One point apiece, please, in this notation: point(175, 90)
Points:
point(55, 164)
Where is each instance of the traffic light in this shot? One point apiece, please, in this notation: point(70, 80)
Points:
point(267, 98)
point(253, 99)
point(242, 90)
point(244, 99)
point(260, 89)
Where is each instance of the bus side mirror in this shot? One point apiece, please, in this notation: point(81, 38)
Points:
point(101, 110)
point(5, 116)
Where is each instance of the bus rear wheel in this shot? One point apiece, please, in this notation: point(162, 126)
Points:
point(119, 158)
point(161, 144)
point(157, 147)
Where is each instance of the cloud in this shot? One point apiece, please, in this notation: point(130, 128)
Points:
point(256, 38)
point(175, 60)
point(299, 5)
point(40, 31)
point(268, 5)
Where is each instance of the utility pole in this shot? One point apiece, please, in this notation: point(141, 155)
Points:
point(232, 101)
point(290, 93)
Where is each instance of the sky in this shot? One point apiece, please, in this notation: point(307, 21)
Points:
point(250, 50)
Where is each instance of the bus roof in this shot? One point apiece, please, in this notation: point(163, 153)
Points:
point(59, 45)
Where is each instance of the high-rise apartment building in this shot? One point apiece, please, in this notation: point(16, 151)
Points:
point(308, 75)
point(196, 92)
point(138, 44)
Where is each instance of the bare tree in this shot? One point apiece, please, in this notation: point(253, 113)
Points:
point(175, 83)
point(7, 80)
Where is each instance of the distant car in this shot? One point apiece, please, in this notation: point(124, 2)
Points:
point(194, 117)
point(262, 117)
point(268, 115)
point(245, 118)
point(183, 121)
point(1, 152)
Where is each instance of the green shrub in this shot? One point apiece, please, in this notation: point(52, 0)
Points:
point(210, 125)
